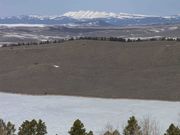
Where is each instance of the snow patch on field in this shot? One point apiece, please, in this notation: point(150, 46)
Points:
point(56, 66)
point(173, 28)
point(59, 112)
point(22, 25)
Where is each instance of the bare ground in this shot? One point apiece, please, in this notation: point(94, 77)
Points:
point(143, 70)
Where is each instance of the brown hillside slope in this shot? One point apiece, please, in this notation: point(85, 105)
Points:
point(143, 70)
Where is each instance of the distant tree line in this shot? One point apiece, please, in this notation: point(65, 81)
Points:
point(121, 39)
point(38, 127)
point(34, 43)
point(117, 39)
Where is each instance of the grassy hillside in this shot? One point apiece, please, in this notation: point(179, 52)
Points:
point(145, 70)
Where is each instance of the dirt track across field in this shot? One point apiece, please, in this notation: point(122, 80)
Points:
point(143, 70)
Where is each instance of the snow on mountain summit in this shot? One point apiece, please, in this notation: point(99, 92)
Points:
point(89, 15)
point(96, 14)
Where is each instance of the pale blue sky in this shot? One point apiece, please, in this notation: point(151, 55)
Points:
point(58, 7)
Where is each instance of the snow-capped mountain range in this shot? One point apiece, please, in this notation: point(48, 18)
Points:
point(93, 15)
point(92, 18)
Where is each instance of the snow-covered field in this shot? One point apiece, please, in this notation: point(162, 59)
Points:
point(59, 112)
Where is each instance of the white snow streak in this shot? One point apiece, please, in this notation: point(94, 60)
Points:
point(22, 25)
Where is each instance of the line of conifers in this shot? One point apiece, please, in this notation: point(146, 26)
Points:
point(38, 127)
point(118, 39)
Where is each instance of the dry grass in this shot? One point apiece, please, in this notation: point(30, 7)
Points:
point(143, 70)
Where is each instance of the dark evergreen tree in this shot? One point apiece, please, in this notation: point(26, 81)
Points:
point(41, 128)
point(172, 130)
point(77, 128)
point(132, 127)
point(33, 128)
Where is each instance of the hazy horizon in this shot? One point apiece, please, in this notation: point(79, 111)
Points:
point(56, 7)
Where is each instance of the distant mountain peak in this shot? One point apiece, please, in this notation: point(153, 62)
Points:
point(96, 14)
